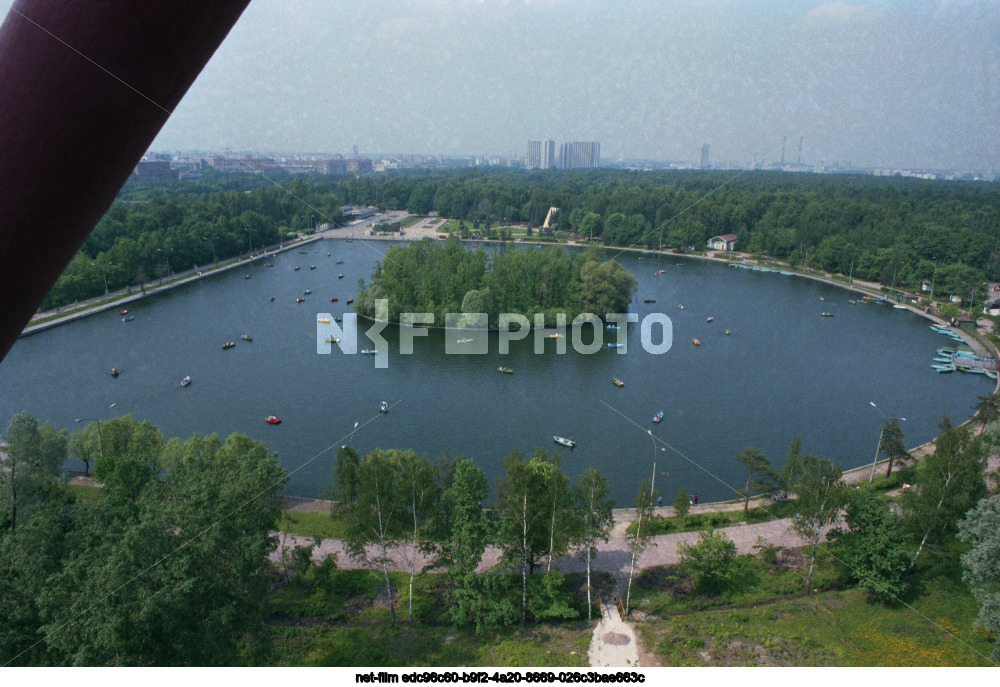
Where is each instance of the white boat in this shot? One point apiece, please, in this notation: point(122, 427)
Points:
point(383, 407)
point(564, 441)
point(186, 381)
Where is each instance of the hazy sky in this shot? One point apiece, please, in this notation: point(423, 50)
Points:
point(907, 83)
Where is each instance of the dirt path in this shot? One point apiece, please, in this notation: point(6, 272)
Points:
point(613, 644)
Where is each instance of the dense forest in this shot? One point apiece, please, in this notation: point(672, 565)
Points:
point(893, 230)
point(446, 278)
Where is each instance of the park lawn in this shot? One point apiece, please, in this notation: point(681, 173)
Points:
point(836, 626)
point(768, 510)
point(311, 524)
point(409, 221)
point(83, 492)
point(341, 618)
point(430, 645)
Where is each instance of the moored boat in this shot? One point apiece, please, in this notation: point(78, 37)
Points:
point(617, 382)
point(658, 417)
point(564, 441)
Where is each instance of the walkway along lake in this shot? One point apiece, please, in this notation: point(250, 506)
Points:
point(783, 371)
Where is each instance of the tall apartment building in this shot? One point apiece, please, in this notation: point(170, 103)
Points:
point(704, 156)
point(579, 154)
point(541, 154)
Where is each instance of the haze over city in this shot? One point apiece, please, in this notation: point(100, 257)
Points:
point(870, 83)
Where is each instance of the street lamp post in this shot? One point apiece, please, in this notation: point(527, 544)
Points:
point(652, 483)
point(105, 275)
point(166, 254)
point(878, 446)
point(250, 234)
point(100, 442)
point(211, 241)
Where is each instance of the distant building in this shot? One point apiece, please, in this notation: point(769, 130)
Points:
point(704, 156)
point(358, 165)
point(541, 154)
point(241, 164)
point(724, 242)
point(580, 154)
point(354, 212)
point(153, 170)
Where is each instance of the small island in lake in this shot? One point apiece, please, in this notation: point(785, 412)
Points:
point(441, 278)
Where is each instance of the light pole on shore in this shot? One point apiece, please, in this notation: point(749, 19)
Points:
point(100, 442)
point(878, 446)
point(652, 484)
point(105, 275)
point(212, 241)
point(166, 254)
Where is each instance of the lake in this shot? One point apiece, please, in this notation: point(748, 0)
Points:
point(784, 371)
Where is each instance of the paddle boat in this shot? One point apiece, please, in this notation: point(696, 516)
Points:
point(680, 307)
point(123, 312)
point(710, 318)
point(340, 261)
point(350, 300)
point(272, 420)
point(505, 370)
point(383, 407)
point(564, 441)
point(229, 344)
point(617, 382)
point(658, 417)
point(246, 337)
point(333, 300)
point(300, 299)
point(297, 268)
point(340, 276)
point(186, 381)
point(114, 372)
point(307, 292)
point(696, 342)
point(324, 320)
point(128, 318)
point(728, 332)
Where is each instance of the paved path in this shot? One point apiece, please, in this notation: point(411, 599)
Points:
point(613, 643)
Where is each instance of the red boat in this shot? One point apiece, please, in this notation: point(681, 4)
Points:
point(333, 300)
point(123, 312)
point(272, 420)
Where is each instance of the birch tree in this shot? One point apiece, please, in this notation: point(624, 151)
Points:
point(639, 540)
point(820, 497)
point(595, 511)
point(420, 492)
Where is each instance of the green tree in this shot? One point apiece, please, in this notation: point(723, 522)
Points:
point(820, 497)
point(791, 471)
point(682, 504)
point(126, 437)
point(711, 561)
point(639, 540)
point(34, 456)
point(875, 545)
point(981, 529)
point(949, 484)
point(420, 493)
point(376, 516)
point(892, 445)
point(761, 477)
point(987, 410)
point(596, 519)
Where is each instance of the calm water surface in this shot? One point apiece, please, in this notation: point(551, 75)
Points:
point(784, 371)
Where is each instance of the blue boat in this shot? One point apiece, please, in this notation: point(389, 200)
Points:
point(944, 368)
point(658, 417)
point(990, 375)
point(947, 351)
point(943, 359)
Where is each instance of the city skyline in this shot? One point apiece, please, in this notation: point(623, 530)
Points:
point(869, 84)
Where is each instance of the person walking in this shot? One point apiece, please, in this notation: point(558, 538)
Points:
point(696, 499)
